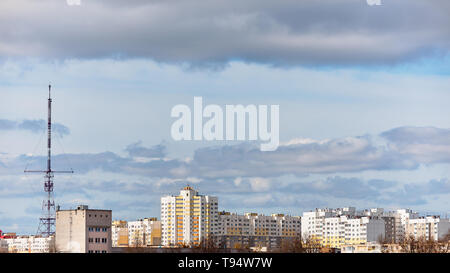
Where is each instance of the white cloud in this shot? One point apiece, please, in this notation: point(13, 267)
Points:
point(259, 183)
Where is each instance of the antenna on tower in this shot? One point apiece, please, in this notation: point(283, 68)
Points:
point(47, 220)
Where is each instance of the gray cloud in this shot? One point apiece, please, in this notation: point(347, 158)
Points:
point(350, 154)
point(137, 150)
point(418, 135)
point(34, 126)
point(427, 145)
point(344, 155)
point(327, 32)
point(352, 188)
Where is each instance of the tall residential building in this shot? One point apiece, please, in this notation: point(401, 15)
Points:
point(119, 233)
point(141, 233)
point(338, 227)
point(256, 230)
point(429, 228)
point(83, 230)
point(364, 230)
point(144, 232)
point(390, 229)
point(313, 223)
point(188, 218)
point(402, 217)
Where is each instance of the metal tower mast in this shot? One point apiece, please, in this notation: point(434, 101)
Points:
point(47, 221)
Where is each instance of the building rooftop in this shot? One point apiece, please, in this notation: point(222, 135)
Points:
point(81, 207)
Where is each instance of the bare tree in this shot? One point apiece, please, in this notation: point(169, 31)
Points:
point(423, 245)
point(308, 244)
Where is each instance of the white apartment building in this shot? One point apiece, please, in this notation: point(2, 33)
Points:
point(364, 230)
point(30, 244)
point(144, 232)
point(402, 216)
point(343, 226)
point(313, 223)
point(119, 233)
point(83, 230)
point(141, 233)
point(188, 218)
point(256, 230)
point(429, 228)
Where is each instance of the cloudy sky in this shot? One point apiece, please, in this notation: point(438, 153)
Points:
point(364, 95)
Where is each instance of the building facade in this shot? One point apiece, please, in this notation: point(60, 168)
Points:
point(144, 232)
point(253, 230)
point(141, 233)
point(402, 217)
point(119, 233)
point(428, 228)
point(335, 228)
point(188, 218)
point(83, 230)
point(390, 229)
point(30, 244)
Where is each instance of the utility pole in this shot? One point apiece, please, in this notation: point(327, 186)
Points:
point(47, 220)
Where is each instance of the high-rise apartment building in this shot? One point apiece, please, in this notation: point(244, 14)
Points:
point(428, 228)
point(389, 229)
point(188, 218)
point(256, 230)
point(402, 216)
point(343, 226)
point(119, 233)
point(141, 233)
point(83, 230)
point(314, 223)
point(144, 232)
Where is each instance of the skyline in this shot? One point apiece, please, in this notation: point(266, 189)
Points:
point(364, 104)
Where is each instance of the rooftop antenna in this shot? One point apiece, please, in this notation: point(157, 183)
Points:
point(47, 220)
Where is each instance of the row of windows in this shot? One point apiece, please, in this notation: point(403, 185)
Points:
point(98, 240)
point(97, 251)
point(98, 229)
point(100, 215)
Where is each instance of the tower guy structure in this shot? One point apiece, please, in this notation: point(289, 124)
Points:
point(47, 220)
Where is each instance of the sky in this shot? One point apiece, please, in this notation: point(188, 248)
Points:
point(364, 96)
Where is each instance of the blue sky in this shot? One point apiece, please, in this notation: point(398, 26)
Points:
point(363, 94)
